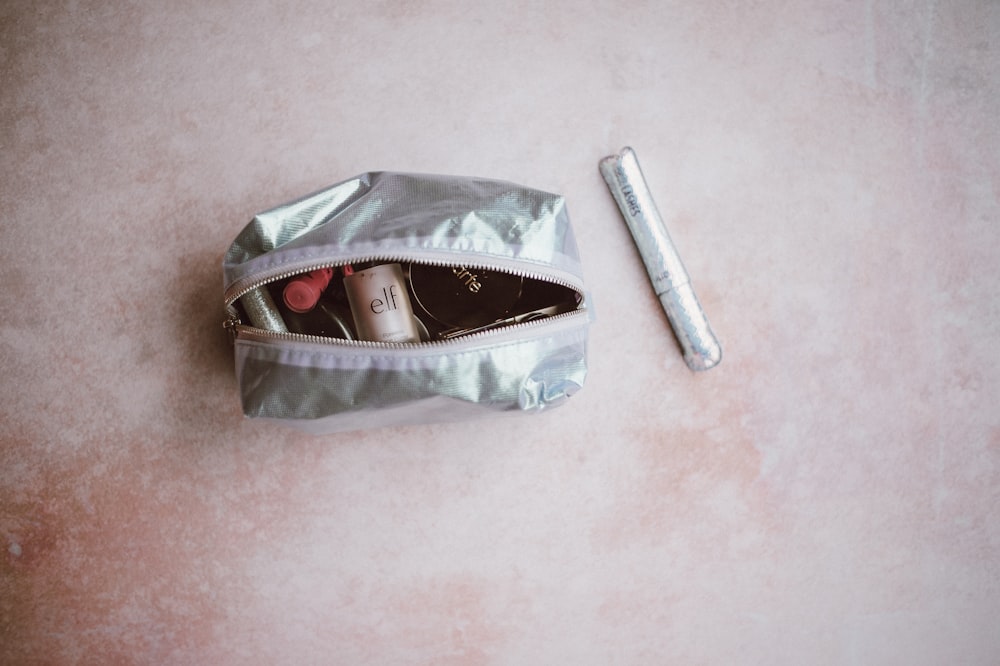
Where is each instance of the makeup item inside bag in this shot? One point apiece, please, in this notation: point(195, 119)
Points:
point(261, 310)
point(456, 300)
point(459, 298)
point(302, 293)
point(315, 304)
point(380, 304)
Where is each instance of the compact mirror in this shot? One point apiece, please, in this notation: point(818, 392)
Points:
point(462, 297)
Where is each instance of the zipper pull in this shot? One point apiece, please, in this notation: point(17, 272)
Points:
point(230, 325)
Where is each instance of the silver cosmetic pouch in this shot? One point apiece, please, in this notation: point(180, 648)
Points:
point(484, 274)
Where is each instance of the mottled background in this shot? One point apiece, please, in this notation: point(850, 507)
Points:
point(830, 494)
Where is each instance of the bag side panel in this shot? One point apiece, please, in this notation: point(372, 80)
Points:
point(308, 382)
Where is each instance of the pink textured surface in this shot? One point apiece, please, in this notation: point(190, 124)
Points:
point(830, 494)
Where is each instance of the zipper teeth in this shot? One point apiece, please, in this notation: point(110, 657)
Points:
point(238, 290)
point(370, 344)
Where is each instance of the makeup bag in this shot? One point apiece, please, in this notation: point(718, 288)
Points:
point(323, 381)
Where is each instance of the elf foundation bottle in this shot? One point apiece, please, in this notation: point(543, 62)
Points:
point(380, 304)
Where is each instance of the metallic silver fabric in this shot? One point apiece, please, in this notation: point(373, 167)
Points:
point(324, 387)
point(666, 270)
point(423, 217)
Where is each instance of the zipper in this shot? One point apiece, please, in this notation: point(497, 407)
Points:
point(240, 288)
point(243, 331)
